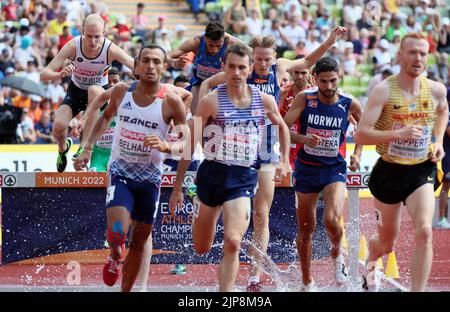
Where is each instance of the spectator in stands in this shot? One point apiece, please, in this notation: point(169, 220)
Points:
point(9, 11)
point(412, 25)
point(24, 30)
point(377, 79)
point(349, 61)
point(271, 14)
point(444, 36)
point(352, 12)
point(22, 100)
point(179, 36)
point(294, 32)
point(277, 31)
point(140, 22)
point(325, 19)
point(424, 13)
point(31, 72)
point(164, 41)
point(75, 11)
point(65, 37)
point(6, 61)
point(25, 129)
point(39, 14)
point(305, 19)
point(55, 27)
point(300, 49)
point(54, 10)
point(365, 21)
point(24, 53)
point(234, 18)
point(56, 93)
point(156, 34)
point(382, 57)
point(44, 129)
point(41, 39)
point(254, 23)
point(312, 41)
point(121, 31)
point(395, 26)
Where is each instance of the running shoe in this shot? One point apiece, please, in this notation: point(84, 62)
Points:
point(254, 287)
point(78, 153)
point(61, 161)
point(371, 278)
point(443, 224)
point(111, 271)
point(191, 192)
point(179, 269)
point(340, 270)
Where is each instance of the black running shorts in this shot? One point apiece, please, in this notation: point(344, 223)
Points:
point(393, 183)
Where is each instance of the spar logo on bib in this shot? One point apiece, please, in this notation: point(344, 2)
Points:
point(312, 104)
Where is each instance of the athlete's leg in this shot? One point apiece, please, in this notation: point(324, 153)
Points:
point(204, 226)
point(236, 218)
point(141, 232)
point(145, 267)
point(63, 117)
point(333, 197)
point(93, 92)
point(261, 208)
point(195, 91)
point(306, 224)
point(118, 222)
point(443, 199)
point(420, 205)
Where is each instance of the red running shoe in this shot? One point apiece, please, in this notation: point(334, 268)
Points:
point(254, 287)
point(111, 269)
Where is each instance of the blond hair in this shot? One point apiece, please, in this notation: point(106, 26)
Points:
point(263, 42)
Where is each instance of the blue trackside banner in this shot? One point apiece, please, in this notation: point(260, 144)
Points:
point(39, 222)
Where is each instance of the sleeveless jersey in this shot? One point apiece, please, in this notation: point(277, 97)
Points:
point(205, 65)
point(399, 112)
point(266, 84)
point(129, 157)
point(284, 106)
point(234, 136)
point(330, 123)
point(90, 71)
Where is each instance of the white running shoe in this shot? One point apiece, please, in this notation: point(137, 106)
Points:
point(340, 270)
point(371, 278)
point(443, 224)
point(311, 287)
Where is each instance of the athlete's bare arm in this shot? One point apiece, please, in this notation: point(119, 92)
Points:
point(439, 94)
point(210, 83)
point(115, 53)
point(284, 65)
point(294, 113)
point(173, 109)
point(101, 125)
point(230, 39)
point(367, 135)
point(355, 112)
point(271, 110)
point(207, 108)
point(184, 94)
point(176, 59)
point(51, 71)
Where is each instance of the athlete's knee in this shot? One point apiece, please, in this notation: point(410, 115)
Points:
point(306, 231)
point(232, 244)
point(260, 218)
point(59, 127)
point(331, 222)
point(94, 90)
point(424, 235)
point(115, 235)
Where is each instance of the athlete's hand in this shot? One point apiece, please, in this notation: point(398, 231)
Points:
point(312, 140)
point(78, 127)
point(176, 198)
point(354, 162)
point(67, 71)
point(437, 153)
point(281, 172)
point(154, 142)
point(410, 132)
point(181, 61)
point(336, 34)
point(81, 161)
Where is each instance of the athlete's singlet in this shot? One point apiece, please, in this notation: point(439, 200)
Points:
point(205, 65)
point(234, 136)
point(129, 157)
point(90, 71)
point(399, 112)
point(330, 123)
point(284, 106)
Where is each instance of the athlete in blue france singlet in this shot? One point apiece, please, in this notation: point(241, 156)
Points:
point(267, 84)
point(206, 65)
point(325, 163)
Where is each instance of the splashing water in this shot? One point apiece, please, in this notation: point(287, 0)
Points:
point(285, 280)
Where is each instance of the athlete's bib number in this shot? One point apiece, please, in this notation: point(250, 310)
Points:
point(239, 146)
point(328, 145)
point(416, 148)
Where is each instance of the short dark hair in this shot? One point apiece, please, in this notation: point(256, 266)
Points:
point(114, 71)
point(214, 30)
point(326, 64)
point(140, 5)
point(239, 49)
point(181, 78)
point(152, 47)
